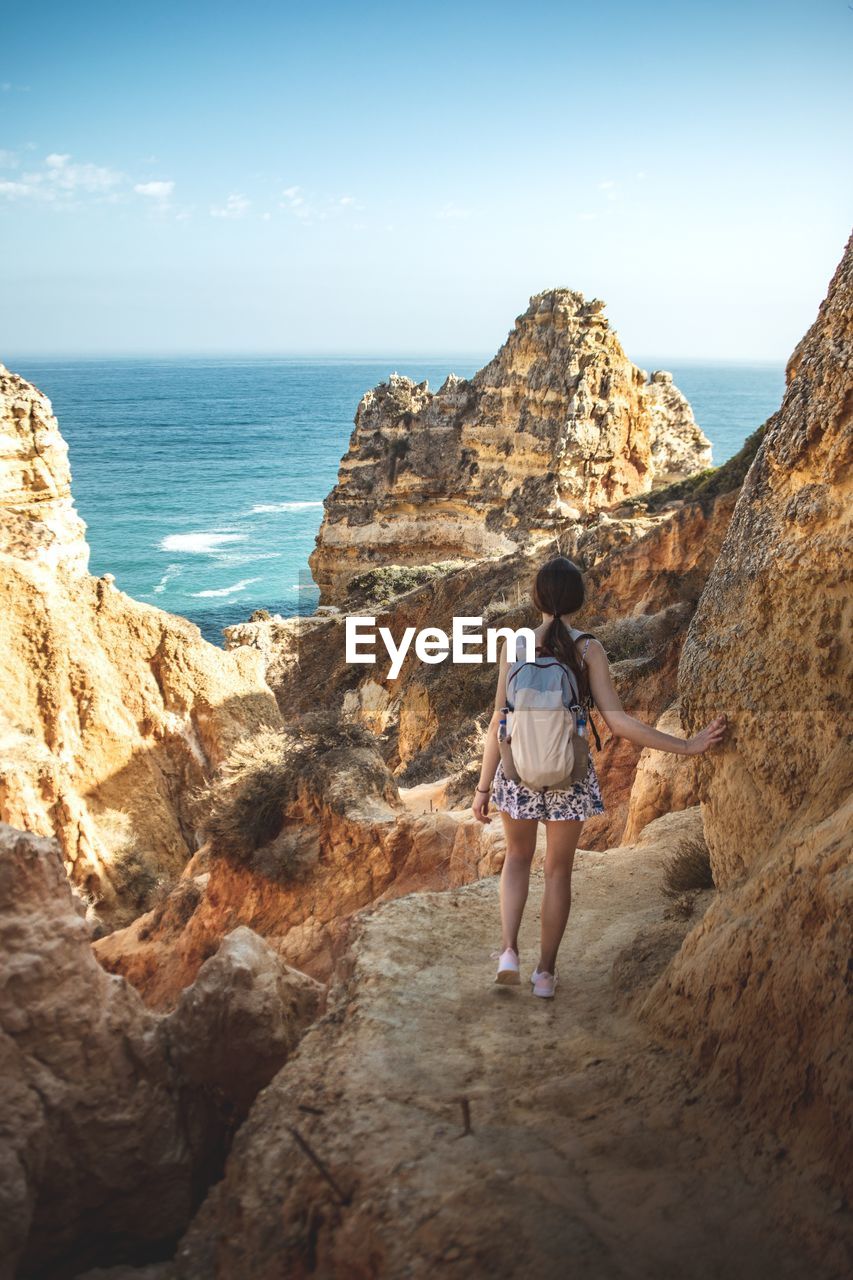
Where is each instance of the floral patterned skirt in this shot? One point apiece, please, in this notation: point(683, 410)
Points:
point(581, 801)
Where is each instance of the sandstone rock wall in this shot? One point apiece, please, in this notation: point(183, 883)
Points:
point(759, 988)
point(558, 424)
point(663, 782)
point(40, 525)
point(113, 710)
point(770, 643)
point(114, 1119)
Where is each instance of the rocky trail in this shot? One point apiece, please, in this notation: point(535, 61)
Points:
point(476, 1129)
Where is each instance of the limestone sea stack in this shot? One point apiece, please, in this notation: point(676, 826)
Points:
point(559, 424)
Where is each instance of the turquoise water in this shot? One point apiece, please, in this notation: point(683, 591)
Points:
point(202, 481)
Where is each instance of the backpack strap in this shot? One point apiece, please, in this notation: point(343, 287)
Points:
point(587, 635)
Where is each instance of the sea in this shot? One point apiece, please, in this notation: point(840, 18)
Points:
point(201, 481)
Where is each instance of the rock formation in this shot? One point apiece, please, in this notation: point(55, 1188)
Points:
point(41, 528)
point(113, 711)
point(759, 987)
point(341, 840)
point(558, 424)
point(663, 782)
point(114, 1119)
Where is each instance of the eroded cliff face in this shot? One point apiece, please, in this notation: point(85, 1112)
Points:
point(558, 424)
point(759, 987)
point(113, 711)
point(771, 639)
point(113, 1119)
point(40, 525)
point(340, 840)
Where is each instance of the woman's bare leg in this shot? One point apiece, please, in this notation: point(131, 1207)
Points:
point(561, 842)
point(515, 877)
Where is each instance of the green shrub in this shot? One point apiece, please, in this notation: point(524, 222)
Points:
point(386, 582)
point(709, 483)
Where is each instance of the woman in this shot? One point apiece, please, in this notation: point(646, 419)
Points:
point(558, 592)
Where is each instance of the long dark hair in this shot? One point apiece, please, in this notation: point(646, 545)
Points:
point(558, 589)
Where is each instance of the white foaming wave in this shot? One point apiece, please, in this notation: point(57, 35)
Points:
point(266, 508)
point(248, 557)
point(199, 543)
point(172, 571)
point(225, 591)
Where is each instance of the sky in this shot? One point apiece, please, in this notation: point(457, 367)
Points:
point(369, 179)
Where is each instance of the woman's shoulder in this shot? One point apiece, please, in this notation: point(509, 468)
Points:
point(586, 642)
point(590, 646)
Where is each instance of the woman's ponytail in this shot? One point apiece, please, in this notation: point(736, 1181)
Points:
point(559, 590)
point(559, 643)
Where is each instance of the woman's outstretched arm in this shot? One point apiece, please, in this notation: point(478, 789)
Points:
point(621, 725)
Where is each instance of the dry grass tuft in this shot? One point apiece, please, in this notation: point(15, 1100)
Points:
point(175, 908)
point(688, 870)
point(244, 807)
point(134, 881)
point(456, 755)
point(682, 907)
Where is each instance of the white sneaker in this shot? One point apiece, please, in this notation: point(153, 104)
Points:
point(508, 974)
point(543, 983)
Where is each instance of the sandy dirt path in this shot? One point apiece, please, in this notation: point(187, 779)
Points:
point(592, 1150)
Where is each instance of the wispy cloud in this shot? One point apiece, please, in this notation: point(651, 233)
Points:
point(451, 210)
point(310, 208)
point(294, 201)
point(61, 181)
point(61, 173)
point(160, 192)
point(236, 206)
point(65, 183)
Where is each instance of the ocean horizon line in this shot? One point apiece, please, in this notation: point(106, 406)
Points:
point(654, 361)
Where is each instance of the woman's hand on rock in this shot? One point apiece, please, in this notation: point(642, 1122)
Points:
point(710, 736)
point(480, 807)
